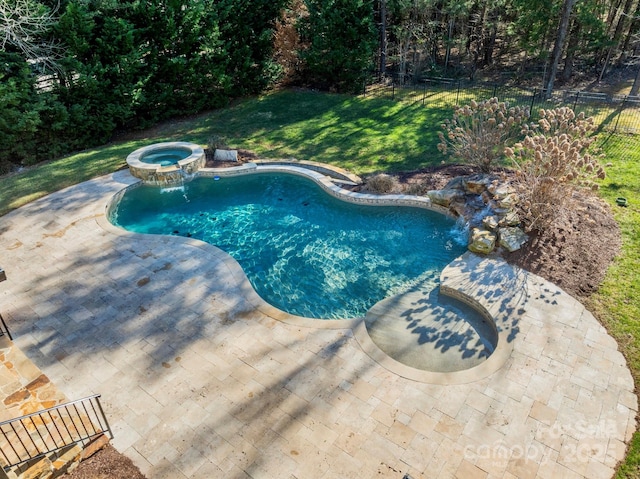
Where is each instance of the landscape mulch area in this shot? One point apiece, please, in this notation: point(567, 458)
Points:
point(574, 254)
point(107, 463)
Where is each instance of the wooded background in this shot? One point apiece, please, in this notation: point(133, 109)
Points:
point(74, 72)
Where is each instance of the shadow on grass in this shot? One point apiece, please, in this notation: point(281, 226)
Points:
point(360, 134)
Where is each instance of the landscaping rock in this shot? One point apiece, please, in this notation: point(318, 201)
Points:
point(490, 222)
point(225, 155)
point(456, 183)
point(459, 207)
point(482, 241)
point(510, 219)
point(444, 197)
point(501, 190)
point(476, 184)
point(512, 238)
point(508, 201)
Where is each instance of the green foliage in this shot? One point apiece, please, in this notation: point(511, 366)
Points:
point(247, 28)
point(131, 63)
point(341, 38)
point(182, 58)
point(363, 135)
point(20, 108)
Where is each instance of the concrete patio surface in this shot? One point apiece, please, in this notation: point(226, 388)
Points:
point(202, 379)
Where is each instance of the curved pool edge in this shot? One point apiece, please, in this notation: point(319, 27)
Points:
point(157, 174)
point(356, 325)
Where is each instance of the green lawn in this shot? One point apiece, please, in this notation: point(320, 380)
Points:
point(617, 303)
point(366, 135)
point(360, 135)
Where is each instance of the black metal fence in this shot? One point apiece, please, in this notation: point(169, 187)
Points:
point(36, 435)
point(612, 113)
point(3, 329)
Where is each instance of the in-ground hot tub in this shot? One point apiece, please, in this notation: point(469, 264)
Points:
point(166, 163)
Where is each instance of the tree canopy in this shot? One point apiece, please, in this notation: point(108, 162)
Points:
point(73, 72)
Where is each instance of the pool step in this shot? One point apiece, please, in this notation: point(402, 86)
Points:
point(423, 330)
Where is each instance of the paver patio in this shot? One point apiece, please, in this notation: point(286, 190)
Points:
point(201, 379)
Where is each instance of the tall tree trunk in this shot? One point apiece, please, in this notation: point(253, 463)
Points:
point(383, 37)
point(559, 44)
point(489, 43)
point(572, 47)
point(448, 54)
point(633, 27)
point(636, 84)
point(617, 35)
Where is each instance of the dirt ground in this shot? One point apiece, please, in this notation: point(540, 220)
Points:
point(573, 254)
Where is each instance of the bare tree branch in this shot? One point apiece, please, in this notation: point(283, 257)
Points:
point(23, 25)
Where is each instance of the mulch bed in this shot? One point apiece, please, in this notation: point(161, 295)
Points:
point(107, 463)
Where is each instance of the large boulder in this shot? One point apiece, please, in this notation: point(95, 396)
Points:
point(225, 155)
point(444, 197)
point(501, 190)
point(482, 241)
point(490, 222)
point(512, 238)
point(509, 219)
point(476, 184)
point(508, 201)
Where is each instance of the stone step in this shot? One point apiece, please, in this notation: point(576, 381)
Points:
point(424, 330)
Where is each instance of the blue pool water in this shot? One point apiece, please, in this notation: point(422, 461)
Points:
point(304, 251)
point(166, 156)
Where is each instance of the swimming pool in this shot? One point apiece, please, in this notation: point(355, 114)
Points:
point(304, 251)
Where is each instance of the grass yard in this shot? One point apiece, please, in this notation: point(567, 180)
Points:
point(617, 303)
point(366, 135)
point(360, 135)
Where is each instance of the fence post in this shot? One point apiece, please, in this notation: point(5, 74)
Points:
point(575, 103)
point(458, 93)
point(393, 90)
point(495, 89)
point(615, 128)
point(424, 92)
point(533, 99)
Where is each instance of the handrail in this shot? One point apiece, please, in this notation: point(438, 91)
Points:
point(43, 432)
point(4, 329)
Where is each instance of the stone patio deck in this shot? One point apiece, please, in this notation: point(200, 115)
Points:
point(201, 379)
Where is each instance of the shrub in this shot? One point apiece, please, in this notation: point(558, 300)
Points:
point(381, 183)
point(551, 163)
point(478, 132)
point(216, 142)
point(416, 189)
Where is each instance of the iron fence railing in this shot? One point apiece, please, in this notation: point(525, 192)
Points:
point(612, 113)
point(3, 326)
point(4, 330)
point(41, 433)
